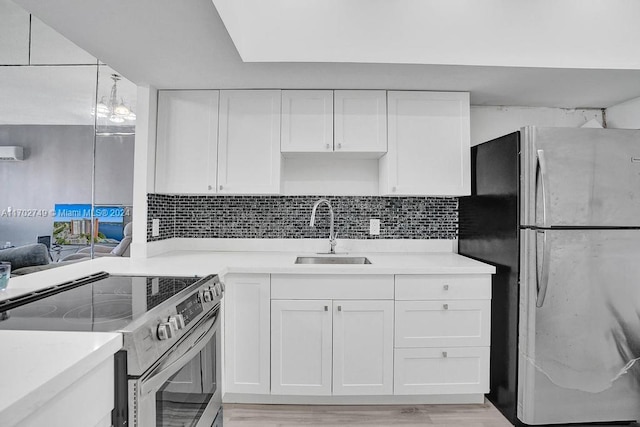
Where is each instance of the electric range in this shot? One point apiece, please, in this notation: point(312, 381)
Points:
point(168, 324)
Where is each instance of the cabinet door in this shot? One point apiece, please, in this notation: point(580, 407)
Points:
point(441, 370)
point(307, 121)
point(429, 144)
point(362, 347)
point(301, 347)
point(443, 323)
point(186, 149)
point(249, 142)
point(361, 121)
point(247, 333)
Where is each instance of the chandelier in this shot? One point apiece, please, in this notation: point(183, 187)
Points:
point(114, 108)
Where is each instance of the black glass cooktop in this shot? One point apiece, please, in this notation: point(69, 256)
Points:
point(107, 304)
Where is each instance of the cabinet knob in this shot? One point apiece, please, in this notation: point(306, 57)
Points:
point(220, 187)
point(445, 306)
point(326, 308)
point(339, 145)
point(444, 354)
point(328, 147)
point(445, 287)
point(339, 308)
point(210, 187)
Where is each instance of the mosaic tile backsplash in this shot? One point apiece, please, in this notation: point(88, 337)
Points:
point(287, 217)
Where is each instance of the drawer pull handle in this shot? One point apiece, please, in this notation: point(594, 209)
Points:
point(339, 308)
point(444, 354)
point(445, 306)
point(326, 308)
point(445, 287)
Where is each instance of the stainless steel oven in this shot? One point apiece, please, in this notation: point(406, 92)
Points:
point(183, 387)
point(168, 372)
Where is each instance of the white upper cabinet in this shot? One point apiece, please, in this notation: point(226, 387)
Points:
point(14, 34)
point(186, 151)
point(307, 121)
point(249, 142)
point(341, 121)
point(360, 121)
point(429, 144)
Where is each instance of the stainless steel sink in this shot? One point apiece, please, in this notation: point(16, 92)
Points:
point(332, 260)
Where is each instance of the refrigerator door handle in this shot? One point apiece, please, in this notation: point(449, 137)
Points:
point(542, 165)
point(543, 281)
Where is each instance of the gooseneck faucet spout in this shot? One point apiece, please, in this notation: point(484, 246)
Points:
point(332, 234)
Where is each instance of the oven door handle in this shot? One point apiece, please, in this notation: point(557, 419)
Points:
point(157, 378)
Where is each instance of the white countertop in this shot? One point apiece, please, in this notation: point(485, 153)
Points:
point(179, 263)
point(30, 376)
point(35, 366)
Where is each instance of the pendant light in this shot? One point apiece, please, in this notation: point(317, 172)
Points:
point(114, 109)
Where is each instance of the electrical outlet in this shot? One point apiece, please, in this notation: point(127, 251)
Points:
point(155, 227)
point(374, 227)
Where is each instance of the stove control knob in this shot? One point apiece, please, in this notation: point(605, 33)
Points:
point(220, 289)
point(207, 295)
point(214, 291)
point(221, 286)
point(177, 321)
point(165, 331)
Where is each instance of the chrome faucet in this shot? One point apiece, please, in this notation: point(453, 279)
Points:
point(332, 234)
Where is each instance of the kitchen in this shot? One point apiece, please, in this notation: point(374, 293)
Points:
point(145, 170)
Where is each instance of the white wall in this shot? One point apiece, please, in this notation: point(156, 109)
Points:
point(491, 122)
point(625, 115)
point(145, 166)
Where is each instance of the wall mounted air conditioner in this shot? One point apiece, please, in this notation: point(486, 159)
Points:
point(11, 153)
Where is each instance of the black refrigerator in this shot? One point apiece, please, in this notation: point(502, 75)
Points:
point(557, 212)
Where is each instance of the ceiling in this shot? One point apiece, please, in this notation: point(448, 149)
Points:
point(184, 44)
point(512, 33)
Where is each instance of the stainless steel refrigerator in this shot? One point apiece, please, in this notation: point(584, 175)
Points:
point(557, 211)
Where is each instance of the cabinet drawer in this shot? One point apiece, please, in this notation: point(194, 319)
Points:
point(441, 370)
point(331, 286)
point(442, 323)
point(443, 286)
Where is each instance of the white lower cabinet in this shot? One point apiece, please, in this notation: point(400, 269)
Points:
point(442, 334)
point(87, 402)
point(325, 347)
point(362, 347)
point(246, 333)
point(441, 323)
point(445, 370)
point(301, 347)
point(330, 335)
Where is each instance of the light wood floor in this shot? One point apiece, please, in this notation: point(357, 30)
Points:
point(485, 415)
